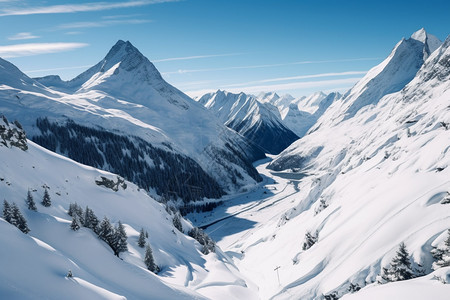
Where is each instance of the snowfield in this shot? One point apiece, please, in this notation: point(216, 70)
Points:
point(365, 183)
point(43, 257)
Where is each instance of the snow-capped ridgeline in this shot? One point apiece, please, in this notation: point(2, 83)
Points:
point(271, 121)
point(373, 178)
point(125, 94)
point(302, 115)
point(258, 122)
point(35, 265)
point(390, 76)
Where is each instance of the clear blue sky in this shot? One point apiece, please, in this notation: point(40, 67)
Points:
point(201, 45)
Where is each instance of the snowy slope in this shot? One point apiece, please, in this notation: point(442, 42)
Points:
point(258, 122)
point(365, 184)
point(43, 257)
point(125, 93)
point(370, 182)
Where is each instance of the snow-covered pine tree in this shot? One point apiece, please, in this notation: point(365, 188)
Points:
point(46, 199)
point(30, 202)
point(177, 222)
point(75, 225)
point(141, 240)
point(400, 266)
point(310, 239)
point(204, 240)
point(149, 260)
point(80, 213)
point(19, 220)
point(7, 214)
point(441, 253)
point(71, 210)
point(90, 219)
point(106, 231)
point(14, 212)
point(120, 244)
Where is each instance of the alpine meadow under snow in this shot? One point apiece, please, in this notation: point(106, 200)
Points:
point(352, 202)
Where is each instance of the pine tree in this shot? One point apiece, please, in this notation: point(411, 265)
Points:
point(46, 199)
point(75, 225)
point(141, 240)
point(79, 212)
point(149, 260)
point(106, 231)
point(7, 215)
point(442, 254)
point(18, 219)
point(71, 210)
point(120, 239)
point(204, 240)
point(90, 219)
point(400, 267)
point(14, 212)
point(177, 222)
point(30, 202)
point(310, 239)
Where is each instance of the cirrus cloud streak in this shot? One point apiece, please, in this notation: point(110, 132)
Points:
point(30, 49)
point(74, 8)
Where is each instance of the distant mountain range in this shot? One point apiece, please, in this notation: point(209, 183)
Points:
point(121, 116)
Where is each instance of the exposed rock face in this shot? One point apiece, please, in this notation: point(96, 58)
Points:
point(12, 134)
point(111, 184)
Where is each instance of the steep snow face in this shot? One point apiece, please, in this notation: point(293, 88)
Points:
point(311, 103)
point(430, 41)
point(390, 76)
point(301, 116)
point(44, 256)
point(370, 182)
point(125, 93)
point(281, 102)
point(12, 77)
point(251, 118)
point(127, 73)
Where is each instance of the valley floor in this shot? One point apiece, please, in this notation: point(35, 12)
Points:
point(256, 229)
point(243, 215)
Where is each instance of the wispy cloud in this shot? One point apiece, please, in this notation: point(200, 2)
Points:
point(57, 69)
point(107, 23)
point(73, 32)
point(74, 8)
point(195, 57)
point(23, 36)
point(37, 48)
point(283, 87)
point(115, 17)
point(321, 75)
point(271, 65)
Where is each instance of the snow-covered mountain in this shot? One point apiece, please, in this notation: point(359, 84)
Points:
point(299, 114)
point(258, 122)
point(35, 265)
point(370, 180)
point(121, 116)
point(311, 103)
point(390, 76)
